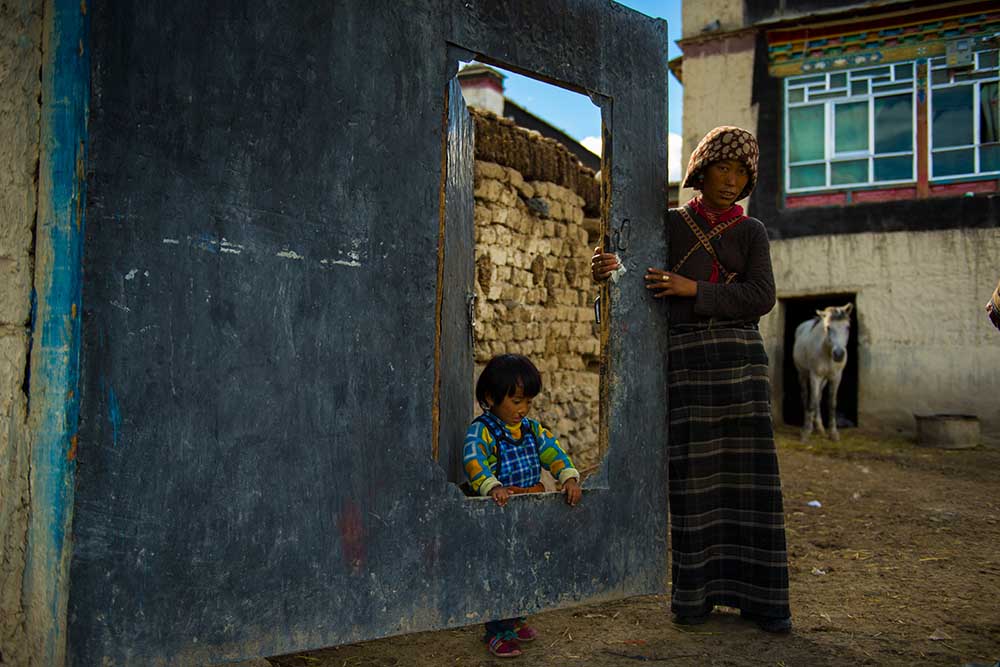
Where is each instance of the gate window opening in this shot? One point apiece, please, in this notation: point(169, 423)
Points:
point(537, 218)
point(797, 311)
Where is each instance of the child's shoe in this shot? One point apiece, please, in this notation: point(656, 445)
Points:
point(524, 632)
point(504, 645)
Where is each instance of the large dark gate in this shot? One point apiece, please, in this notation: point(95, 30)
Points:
point(266, 330)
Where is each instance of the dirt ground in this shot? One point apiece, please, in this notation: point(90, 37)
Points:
point(899, 566)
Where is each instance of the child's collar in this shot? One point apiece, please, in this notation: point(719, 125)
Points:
point(500, 421)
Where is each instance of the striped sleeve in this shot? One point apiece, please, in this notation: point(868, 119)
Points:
point(479, 460)
point(551, 454)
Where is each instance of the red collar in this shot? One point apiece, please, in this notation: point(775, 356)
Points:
point(714, 216)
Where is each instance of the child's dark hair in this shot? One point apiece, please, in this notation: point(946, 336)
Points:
point(502, 376)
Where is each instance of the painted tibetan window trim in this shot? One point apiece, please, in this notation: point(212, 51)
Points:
point(986, 181)
point(984, 72)
point(831, 90)
point(957, 188)
point(963, 189)
point(842, 45)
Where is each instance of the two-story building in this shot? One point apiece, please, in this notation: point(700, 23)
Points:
point(880, 160)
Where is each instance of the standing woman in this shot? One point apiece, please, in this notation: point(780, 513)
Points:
point(726, 515)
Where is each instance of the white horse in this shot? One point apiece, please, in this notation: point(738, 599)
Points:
point(820, 354)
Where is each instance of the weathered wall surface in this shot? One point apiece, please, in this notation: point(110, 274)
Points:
point(925, 345)
point(20, 86)
point(265, 302)
point(695, 16)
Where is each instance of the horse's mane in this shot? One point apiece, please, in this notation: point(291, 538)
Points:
point(815, 321)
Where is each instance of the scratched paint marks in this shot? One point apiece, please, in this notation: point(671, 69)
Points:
point(340, 262)
point(122, 302)
point(351, 257)
point(355, 256)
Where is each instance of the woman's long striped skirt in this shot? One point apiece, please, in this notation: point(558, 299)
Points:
point(726, 516)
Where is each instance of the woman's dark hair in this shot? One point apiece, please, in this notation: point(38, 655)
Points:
point(502, 376)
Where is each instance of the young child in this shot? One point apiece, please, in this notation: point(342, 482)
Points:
point(504, 454)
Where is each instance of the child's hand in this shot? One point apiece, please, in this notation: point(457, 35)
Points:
point(603, 264)
point(500, 495)
point(573, 491)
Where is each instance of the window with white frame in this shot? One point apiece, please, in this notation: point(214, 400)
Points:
point(850, 128)
point(964, 117)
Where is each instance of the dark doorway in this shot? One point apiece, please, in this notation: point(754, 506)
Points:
point(799, 310)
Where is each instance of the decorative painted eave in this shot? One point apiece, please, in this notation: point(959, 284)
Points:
point(827, 43)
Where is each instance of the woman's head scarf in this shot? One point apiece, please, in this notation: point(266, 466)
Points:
point(724, 143)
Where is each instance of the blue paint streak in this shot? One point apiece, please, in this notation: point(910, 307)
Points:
point(207, 243)
point(54, 411)
point(114, 415)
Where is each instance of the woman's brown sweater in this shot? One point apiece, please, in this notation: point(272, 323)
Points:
point(743, 249)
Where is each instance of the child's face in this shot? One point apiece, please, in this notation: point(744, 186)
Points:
point(512, 409)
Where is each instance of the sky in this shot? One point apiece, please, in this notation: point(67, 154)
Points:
point(578, 117)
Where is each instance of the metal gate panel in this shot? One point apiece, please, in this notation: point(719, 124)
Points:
point(455, 289)
point(255, 470)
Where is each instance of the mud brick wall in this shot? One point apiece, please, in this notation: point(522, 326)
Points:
point(534, 293)
point(20, 88)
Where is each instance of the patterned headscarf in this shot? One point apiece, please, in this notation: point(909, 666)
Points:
point(724, 143)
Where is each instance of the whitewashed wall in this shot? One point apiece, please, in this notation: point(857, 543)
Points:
point(925, 345)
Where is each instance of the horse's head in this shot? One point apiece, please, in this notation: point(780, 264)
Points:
point(837, 329)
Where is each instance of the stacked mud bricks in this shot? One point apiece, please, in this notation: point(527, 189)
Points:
point(534, 239)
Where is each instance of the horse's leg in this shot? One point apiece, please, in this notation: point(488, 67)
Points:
point(832, 412)
point(807, 418)
point(817, 383)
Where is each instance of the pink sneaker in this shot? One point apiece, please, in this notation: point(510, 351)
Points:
point(525, 633)
point(504, 648)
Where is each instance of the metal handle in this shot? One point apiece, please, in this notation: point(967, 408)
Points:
point(470, 299)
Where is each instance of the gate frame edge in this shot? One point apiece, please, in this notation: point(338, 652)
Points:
point(53, 407)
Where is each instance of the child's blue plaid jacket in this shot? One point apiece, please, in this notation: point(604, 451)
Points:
point(498, 454)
